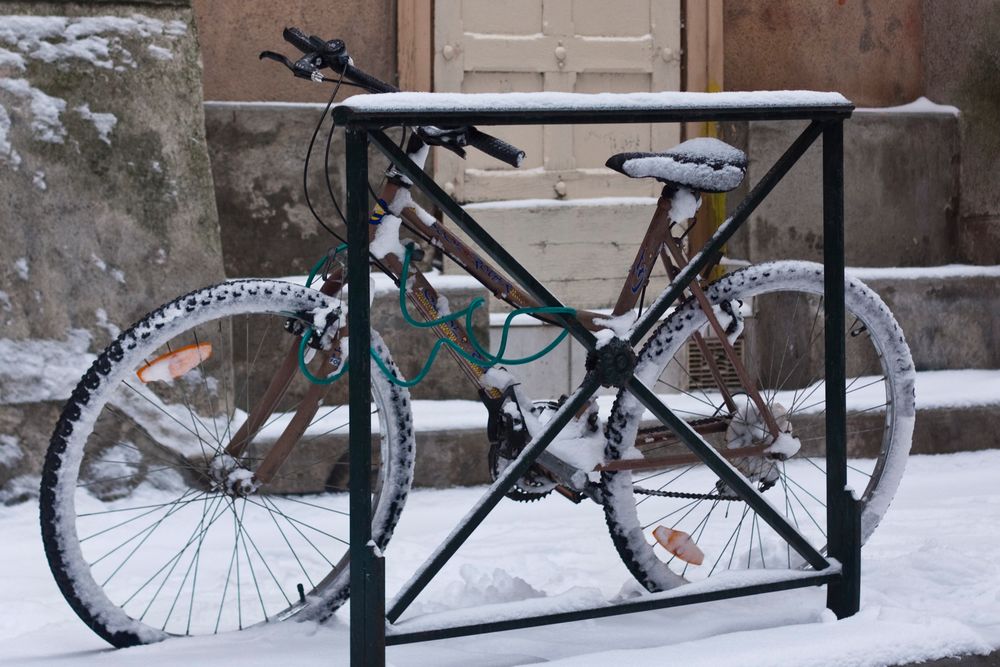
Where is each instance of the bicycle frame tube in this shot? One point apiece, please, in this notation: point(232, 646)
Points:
point(657, 238)
point(425, 299)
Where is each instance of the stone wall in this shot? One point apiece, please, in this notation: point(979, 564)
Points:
point(234, 32)
point(901, 190)
point(106, 200)
point(961, 64)
point(869, 50)
point(257, 152)
point(883, 54)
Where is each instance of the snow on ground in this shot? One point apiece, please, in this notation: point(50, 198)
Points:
point(931, 588)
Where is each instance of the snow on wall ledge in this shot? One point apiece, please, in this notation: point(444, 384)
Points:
point(65, 42)
point(553, 101)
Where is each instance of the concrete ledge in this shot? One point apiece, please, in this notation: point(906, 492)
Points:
point(458, 457)
point(979, 240)
point(948, 430)
point(950, 315)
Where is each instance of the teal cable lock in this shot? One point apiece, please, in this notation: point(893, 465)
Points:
point(485, 360)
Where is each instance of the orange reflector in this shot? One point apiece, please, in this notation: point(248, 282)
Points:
point(174, 364)
point(679, 544)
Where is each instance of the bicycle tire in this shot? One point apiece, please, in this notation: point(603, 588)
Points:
point(767, 286)
point(79, 481)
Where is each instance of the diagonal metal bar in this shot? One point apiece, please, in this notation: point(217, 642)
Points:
point(727, 473)
point(479, 235)
point(722, 235)
point(497, 490)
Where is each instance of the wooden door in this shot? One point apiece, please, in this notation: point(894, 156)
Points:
point(581, 46)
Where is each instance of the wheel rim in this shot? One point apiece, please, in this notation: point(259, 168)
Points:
point(729, 534)
point(181, 556)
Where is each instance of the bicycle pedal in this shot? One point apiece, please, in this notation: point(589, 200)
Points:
point(173, 365)
point(569, 494)
point(679, 544)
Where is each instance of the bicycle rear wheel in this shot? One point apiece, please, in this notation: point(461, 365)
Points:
point(151, 530)
point(782, 348)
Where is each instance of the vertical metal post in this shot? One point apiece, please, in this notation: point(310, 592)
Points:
point(367, 619)
point(843, 537)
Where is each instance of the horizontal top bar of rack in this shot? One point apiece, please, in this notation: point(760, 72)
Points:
point(556, 108)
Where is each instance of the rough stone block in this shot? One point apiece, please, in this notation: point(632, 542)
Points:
point(106, 199)
point(901, 173)
point(948, 315)
point(979, 240)
point(257, 152)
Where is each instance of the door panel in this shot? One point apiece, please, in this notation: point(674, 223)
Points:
point(556, 45)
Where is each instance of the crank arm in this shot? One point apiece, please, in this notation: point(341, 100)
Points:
point(568, 476)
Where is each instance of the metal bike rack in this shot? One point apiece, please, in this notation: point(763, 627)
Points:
point(839, 569)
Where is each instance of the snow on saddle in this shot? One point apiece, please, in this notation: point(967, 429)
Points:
point(703, 164)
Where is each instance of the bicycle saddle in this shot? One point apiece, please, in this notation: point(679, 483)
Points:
point(703, 164)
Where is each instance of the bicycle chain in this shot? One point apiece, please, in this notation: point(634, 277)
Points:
point(696, 496)
point(684, 496)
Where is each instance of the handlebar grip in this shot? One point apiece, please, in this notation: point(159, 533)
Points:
point(367, 81)
point(496, 148)
point(298, 39)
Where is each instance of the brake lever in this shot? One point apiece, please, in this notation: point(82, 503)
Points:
point(301, 68)
point(277, 57)
point(452, 138)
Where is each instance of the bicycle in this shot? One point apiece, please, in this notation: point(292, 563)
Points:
point(172, 446)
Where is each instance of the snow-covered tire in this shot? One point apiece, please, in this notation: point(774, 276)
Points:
point(800, 282)
point(107, 414)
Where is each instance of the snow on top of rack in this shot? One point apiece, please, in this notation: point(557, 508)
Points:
point(555, 101)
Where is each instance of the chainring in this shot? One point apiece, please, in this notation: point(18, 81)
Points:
point(510, 440)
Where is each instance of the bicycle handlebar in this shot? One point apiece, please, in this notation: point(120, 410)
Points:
point(298, 39)
point(319, 53)
point(333, 54)
point(495, 147)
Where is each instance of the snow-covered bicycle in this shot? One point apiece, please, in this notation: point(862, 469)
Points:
point(196, 479)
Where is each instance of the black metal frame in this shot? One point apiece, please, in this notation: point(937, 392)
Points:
point(368, 613)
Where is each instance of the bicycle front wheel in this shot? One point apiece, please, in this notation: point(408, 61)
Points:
point(152, 528)
point(676, 522)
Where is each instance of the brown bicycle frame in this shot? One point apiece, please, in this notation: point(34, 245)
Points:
point(657, 242)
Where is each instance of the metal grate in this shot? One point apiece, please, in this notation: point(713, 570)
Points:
point(700, 372)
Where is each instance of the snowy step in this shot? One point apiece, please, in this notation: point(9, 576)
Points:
point(954, 409)
point(949, 314)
